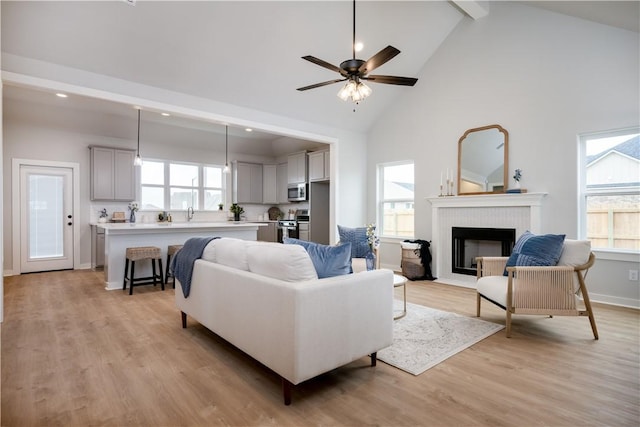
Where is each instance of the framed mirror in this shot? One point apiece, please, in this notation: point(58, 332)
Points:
point(483, 160)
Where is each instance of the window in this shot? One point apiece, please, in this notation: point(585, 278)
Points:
point(178, 186)
point(610, 190)
point(396, 199)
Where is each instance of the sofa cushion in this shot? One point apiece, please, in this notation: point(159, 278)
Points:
point(230, 252)
point(358, 239)
point(536, 250)
point(329, 261)
point(494, 288)
point(575, 252)
point(290, 263)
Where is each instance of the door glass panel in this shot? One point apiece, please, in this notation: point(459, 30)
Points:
point(46, 216)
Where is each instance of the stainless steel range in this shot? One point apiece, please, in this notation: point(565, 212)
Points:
point(287, 228)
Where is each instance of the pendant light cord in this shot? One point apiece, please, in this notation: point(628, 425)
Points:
point(138, 132)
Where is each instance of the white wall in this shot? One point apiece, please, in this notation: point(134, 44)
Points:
point(543, 76)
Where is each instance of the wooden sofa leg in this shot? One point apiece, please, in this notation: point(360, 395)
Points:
point(478, 304)
point(286, 391)
point(184, 319)
point(374, 358)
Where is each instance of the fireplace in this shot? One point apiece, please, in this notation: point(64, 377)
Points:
point(467, 243)
point(520, 212)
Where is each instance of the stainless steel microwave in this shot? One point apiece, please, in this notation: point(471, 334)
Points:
point(297, 192)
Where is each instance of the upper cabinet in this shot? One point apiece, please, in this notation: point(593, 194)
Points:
point(270, 184)
point(247, 183)
point(282, 182)
point(112, 174)
point(297, 168)
point(319, 166)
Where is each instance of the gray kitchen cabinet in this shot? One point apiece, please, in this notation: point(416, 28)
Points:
point(112, 174)
point(247, 183)
point(297, 168)
point(319, 167)
point(282, 181)
point(270, 184)
point(268, 233)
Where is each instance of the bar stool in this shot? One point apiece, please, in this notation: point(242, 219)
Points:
point(171, 251)
point(137, 254)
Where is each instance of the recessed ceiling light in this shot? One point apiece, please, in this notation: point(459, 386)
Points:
point(61, 95)
point(249, 130)
point(165, 114)
point(358, 46)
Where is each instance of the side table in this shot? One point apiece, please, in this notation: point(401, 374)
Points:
point(398, 281)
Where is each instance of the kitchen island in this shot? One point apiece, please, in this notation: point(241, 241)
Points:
point(120, 236)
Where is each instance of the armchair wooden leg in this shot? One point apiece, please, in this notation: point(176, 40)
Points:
point(478, 304)
point(374, 358)
point(508, 325)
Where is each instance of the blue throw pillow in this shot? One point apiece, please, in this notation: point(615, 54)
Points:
point(536, 250)
point(328, 261)
point(358, 239)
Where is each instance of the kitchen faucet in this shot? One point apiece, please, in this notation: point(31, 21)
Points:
point(189, 213)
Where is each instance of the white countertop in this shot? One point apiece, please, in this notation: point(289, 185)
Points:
point(161, 226)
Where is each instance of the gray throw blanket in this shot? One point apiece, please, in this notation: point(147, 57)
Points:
point(183, 261)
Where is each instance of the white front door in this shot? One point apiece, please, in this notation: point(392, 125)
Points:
point(46, 218)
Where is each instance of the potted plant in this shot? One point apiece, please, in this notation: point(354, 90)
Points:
point(236, 210)
point(220, 206)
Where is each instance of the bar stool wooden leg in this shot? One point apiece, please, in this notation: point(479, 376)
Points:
point(160, 270)
point(126, 269)
point(133, 267)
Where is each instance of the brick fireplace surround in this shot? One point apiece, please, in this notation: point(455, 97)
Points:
point(518, 211)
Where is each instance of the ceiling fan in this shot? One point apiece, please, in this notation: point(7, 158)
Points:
point(353, 71)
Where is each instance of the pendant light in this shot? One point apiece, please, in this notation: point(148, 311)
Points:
point(138, 160)
point(226, 150)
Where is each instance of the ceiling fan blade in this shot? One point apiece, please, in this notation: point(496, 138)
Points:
point(378, 59)
point(320, 84)
point(324, 64)
point(392, 80)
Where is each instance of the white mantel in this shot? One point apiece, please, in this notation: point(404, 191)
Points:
point(519, 211)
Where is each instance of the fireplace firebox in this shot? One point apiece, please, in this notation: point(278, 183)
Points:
point(470, 242)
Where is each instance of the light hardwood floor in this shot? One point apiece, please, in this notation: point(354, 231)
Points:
point(74, 354)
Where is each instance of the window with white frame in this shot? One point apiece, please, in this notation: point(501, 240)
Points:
point(610, 189)
point(396, 199)
point(166, 185)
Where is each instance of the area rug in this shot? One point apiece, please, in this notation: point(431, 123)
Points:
point(426, 337)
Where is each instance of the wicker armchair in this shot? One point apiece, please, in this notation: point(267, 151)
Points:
point(539, 290)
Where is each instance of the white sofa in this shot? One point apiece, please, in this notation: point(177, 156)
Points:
point(266, 299)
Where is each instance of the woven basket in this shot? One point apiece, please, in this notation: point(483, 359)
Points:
point(412, 270)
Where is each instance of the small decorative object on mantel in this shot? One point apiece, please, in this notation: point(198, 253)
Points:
point(373, 241)
point(220, 206)
point(517, 176)
point(133, 207)
point(448, 189)
point(236, 210)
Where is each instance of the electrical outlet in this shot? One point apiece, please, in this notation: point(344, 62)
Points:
point(633, 275)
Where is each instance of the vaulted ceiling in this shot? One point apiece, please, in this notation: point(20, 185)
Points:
point(248, 53)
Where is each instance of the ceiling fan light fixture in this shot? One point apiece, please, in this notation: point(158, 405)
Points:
point(355, 91)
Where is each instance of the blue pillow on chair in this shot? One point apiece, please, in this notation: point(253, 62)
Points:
point(358, 239)
point(328, 261)
point(536, 250)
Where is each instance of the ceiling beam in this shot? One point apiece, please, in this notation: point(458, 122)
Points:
point(473, 9)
